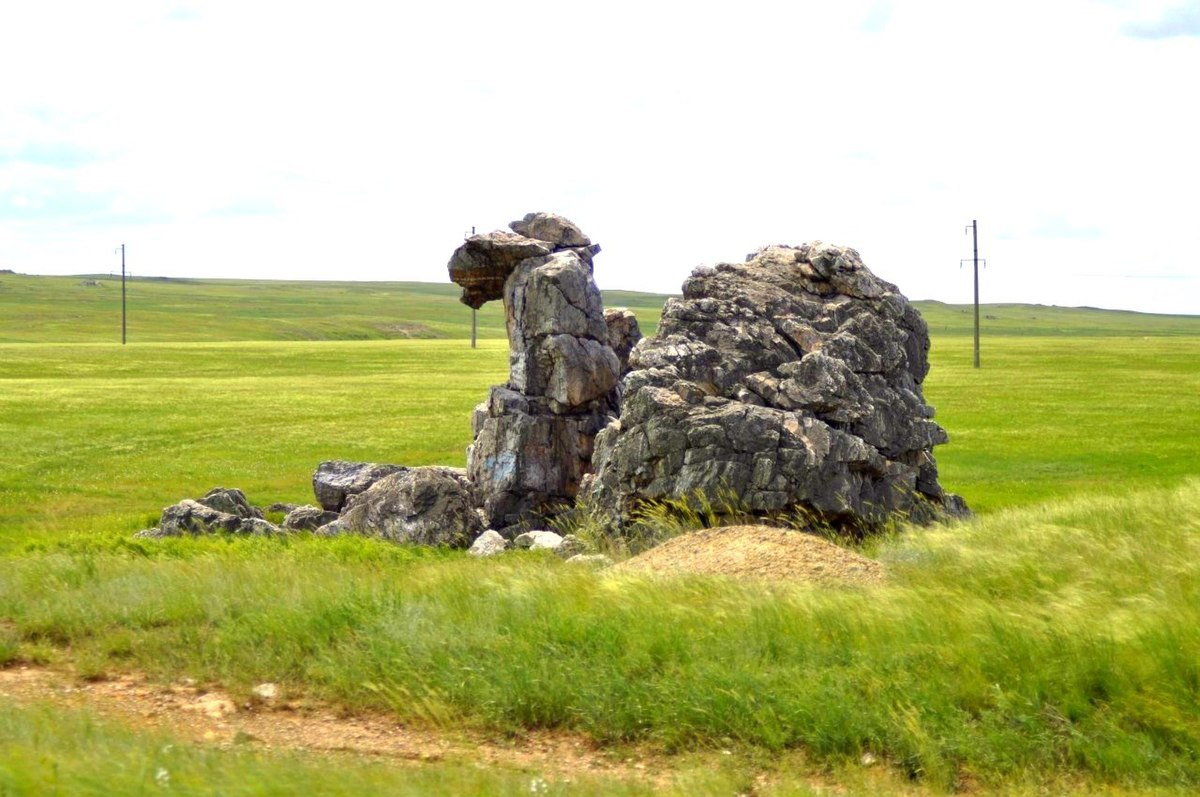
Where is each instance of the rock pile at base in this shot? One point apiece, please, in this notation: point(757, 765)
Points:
point(791, 382)
point(219, 510)
point(533, 436)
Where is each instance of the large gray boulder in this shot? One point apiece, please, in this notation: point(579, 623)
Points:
point(533, 436)
point(337, 479)
point(791, 382)
point(425, 505)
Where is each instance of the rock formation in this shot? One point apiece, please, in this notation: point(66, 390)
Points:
point(787, 384)
point(533, 436)
point(220, 510)
point(793, 382)
point(427, 505)
point(336, 480)
point(623, 334)
point(308, 518)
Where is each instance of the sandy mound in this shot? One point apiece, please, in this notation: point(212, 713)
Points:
point(757, 552)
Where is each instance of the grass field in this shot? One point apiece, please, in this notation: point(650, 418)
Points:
point(159, 309)
point(1053, 644)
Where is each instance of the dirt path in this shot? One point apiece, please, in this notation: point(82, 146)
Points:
point(211, 717)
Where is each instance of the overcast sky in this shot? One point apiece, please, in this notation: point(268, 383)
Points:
point(356, 140)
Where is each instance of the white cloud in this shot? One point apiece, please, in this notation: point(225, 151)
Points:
point(275, 140)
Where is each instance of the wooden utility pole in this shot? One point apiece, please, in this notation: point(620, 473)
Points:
point(122, 294)
point(473, 311)
point(974, 229)
point(975, 243)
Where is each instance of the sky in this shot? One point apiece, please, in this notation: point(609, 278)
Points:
point(361, 140)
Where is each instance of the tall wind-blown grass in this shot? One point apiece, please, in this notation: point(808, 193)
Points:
point(1064, 638)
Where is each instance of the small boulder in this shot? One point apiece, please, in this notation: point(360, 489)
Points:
point(570, 546)
point(257, 526)
point(489, 543)
point(336, 480)
point(537, 540)
point(308, 518)
point(426, 506)
point(192, 518)
point(231, 501)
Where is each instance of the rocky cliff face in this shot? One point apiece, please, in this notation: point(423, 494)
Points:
point(533, 436)
point(792, 381)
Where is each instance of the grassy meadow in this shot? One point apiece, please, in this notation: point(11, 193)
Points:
point(1052, 644)
point(87, 309)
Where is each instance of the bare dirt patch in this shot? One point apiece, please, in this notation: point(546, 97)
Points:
point(757, 552)
point(214, 717)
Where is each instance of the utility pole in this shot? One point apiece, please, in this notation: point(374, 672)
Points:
point(122, 294)
point(974, 228)
point(975, 246)
point(473, 310)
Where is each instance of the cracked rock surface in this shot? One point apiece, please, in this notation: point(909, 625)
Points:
point(533, 436)
point(793, 381)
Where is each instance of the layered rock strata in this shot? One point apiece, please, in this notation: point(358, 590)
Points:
point(533, 436)
point(792, 382)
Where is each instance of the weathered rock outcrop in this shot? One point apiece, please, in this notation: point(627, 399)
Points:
point(792, 381)
point(623, 334)
point(230, 500)
point(221, 510)
point(426, 505)
point(308, 518)
point(533, 436)
point(336, 480)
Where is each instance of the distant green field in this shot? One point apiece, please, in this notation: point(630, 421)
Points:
point(37, 309)
point(1056, 639)
point(69, 310)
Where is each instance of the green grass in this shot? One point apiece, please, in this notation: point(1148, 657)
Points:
point(1036, 320)
point(45, 750)
point(1050, 417)
point(100, 438)
point(1053, 640)
point(63, 310)
point(1064, 638)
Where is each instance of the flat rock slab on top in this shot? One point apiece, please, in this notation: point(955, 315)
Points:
point(484, 262)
